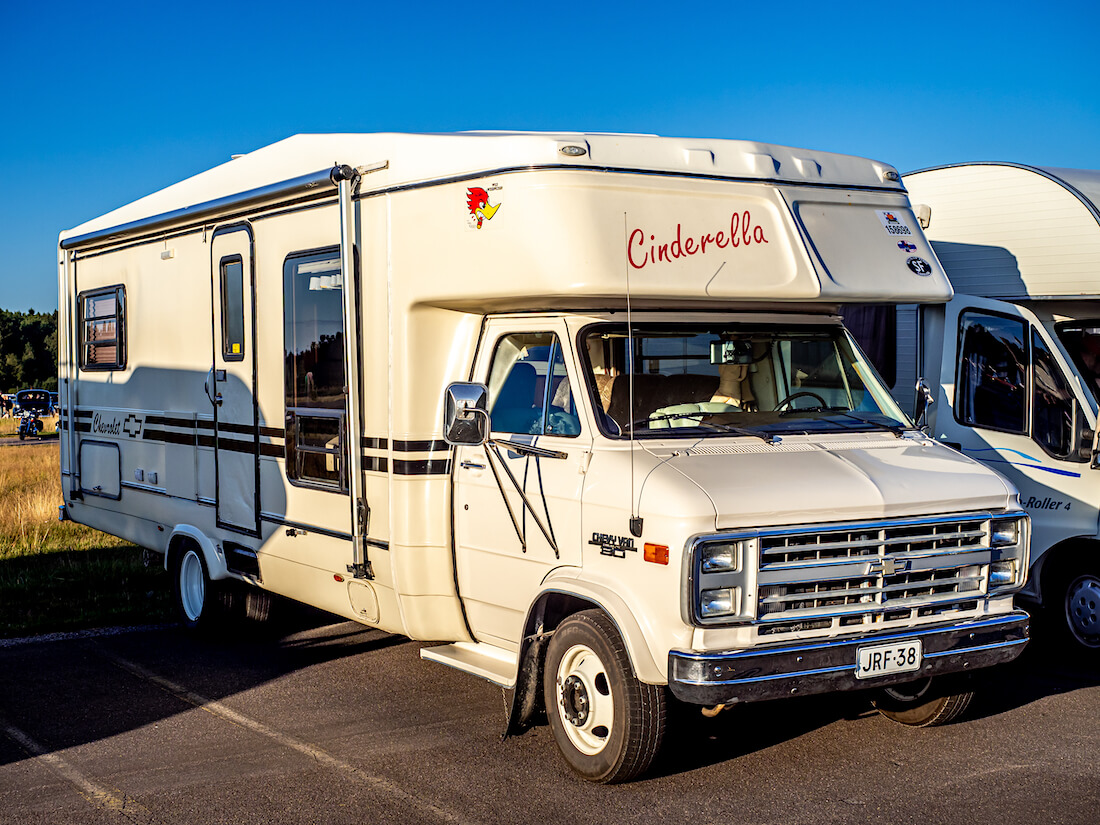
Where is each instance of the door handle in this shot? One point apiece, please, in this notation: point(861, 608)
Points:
point(471, 465)
point(206, 387)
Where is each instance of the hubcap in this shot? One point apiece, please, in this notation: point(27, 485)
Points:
point(1083, 609)
point(192, 585)
point(585, 702)
point(574, 701)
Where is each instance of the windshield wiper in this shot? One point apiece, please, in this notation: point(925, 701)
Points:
point(847, 413)
point(726, 428)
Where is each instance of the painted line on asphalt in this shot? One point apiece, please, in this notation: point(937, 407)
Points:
point(285, 739)
point(115, 802)
point(97, 633)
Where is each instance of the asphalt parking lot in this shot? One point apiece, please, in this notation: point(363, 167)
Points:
point(307, 721)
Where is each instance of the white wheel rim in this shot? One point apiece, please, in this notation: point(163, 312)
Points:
point(585, 704)
point(1083, 610)
point(192, 585)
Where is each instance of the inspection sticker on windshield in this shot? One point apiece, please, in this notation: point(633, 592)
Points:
point(893, 223)
point(882, 660)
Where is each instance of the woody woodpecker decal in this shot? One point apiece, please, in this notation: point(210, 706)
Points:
point(478, 202)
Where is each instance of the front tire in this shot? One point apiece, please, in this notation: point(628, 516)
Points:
point(921, 704)
point(607, 724)
point(1078, 602)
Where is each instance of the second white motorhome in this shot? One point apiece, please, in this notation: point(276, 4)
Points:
point(1014, 357)
point(580, 407)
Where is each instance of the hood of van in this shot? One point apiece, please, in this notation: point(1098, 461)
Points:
point(809, 479)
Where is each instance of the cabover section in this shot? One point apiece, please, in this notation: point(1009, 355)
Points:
point(1011, 231)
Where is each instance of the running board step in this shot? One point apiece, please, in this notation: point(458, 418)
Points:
point(495, 664)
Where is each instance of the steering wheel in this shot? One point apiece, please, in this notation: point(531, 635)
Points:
point(799, 394)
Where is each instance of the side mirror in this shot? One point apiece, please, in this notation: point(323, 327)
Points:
point(924, 401)
point(1085, 445)
point(465, 414)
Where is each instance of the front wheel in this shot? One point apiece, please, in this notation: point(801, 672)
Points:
point(921, 704)
point(1081, 608)
point(607, 724)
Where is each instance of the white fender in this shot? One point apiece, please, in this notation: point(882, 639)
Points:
point(215, 559)
point(563, 581)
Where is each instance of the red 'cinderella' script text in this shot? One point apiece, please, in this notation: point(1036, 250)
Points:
point(741, 233)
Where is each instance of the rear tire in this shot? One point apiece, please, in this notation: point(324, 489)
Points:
point(201, 604)
point(921, 704)
point(607, 724)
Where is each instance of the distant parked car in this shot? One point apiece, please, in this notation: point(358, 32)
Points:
point(30, 406)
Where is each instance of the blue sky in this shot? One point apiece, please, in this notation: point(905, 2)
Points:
point(102, 103)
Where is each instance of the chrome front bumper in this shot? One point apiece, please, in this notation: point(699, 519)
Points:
point(827, 666)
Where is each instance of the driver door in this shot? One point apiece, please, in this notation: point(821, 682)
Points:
point(1011, 404)
point(518, 498)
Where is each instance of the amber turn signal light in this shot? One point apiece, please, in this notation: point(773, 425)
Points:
point(656, 553)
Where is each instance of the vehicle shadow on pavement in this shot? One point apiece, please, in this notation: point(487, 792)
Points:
point(73, 691)
point(1045, 668)
point(693, 741)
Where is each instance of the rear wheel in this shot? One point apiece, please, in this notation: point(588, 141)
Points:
point(607, 724)
point(200, 603)
point(922, 704)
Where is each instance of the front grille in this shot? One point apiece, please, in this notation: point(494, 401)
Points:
point(856, 574)
point(871, 573)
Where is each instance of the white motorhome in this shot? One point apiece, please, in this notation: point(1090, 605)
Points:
point(579, 407)
point(1014, 357)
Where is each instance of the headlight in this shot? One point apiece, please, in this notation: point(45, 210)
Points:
point(1002, 573)
point(719, 558)
point(1004, 532)
point(1008, 541)
point(720, 602)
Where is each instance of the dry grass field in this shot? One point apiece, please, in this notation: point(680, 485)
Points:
point(59, 575)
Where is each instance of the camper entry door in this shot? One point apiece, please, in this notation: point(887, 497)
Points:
point(231, 384)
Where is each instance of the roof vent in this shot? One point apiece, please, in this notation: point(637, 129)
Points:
point(809, 167)
point(762, 164)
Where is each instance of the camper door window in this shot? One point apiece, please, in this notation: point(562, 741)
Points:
point(313, 335)
point(232, 278)
point(102, 326)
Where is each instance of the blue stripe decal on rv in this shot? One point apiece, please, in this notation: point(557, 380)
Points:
point(1034, 465)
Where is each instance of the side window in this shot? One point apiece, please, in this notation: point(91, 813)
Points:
point(991, 384)
point(102, 329)
point(529, 389)
point(313, 336)
point(1052, 404)
point(232, 278)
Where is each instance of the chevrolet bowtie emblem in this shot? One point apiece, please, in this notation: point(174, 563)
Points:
point(884, 567)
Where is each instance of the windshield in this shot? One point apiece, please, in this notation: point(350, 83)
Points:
point(1081, 340)
point(697, 379)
